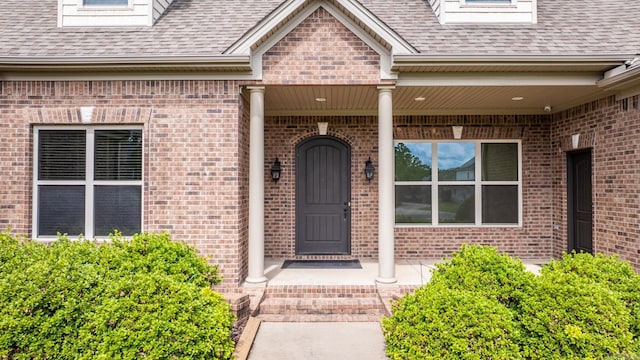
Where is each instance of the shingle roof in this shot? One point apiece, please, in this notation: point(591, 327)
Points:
point(188, 27)
point(564, 27)
point(208, 27)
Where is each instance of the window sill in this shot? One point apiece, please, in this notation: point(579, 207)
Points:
point(489, 4)
point(99, 8)
point(455, 226)
point(98, 239)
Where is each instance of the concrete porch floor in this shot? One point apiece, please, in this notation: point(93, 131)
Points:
point(408, 272)
point(338, 295)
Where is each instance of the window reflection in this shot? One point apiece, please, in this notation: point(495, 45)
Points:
point(413, 161)
point(413, 204)
point(456, 161)
point(456, 204)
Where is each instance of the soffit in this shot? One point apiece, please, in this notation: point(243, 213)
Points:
point(415, 63)
point(363, 100)
point(440, 68)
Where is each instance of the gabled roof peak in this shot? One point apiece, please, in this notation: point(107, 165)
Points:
point(349, 12)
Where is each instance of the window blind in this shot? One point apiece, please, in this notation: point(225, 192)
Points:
point(118, 155)
point(61, 154)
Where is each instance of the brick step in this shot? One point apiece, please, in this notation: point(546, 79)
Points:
point(322, 306)
point(321, 291)
point(320, 317)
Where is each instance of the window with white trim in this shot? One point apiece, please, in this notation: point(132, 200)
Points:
point(87, 180)
point(489, 2)
point(470, 183)
point(105, 2)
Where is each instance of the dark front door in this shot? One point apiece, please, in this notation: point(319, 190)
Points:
point(323, 195)
point(579, 204)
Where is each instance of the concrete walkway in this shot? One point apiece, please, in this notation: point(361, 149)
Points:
point(335, 340)
point(282, 341)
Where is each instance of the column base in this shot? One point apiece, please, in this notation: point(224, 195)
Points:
point(256, 280)
point(382, 280)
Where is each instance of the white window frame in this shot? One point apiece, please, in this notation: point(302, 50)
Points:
point(89, 183)
point(82, 6)
point(492, 3)
point(477, 183)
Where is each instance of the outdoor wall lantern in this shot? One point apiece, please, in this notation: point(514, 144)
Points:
point(276, 169)
point(369, 169)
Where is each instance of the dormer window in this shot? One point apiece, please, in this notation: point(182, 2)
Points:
point(488, 2)
point(108, 13)
point(105, 2)
point(485, 11)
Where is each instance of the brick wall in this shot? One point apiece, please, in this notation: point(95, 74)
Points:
point(193, 186)
point(532, 240)
point(612, 130)
point(321, 51)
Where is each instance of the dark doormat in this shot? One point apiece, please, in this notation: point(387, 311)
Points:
point(321, 264)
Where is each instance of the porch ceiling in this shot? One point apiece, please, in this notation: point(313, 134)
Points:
point(438, 99)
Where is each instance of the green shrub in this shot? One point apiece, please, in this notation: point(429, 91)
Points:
point(582, 307)
point(437, 322)
point(605, 270)
point(566, 318)
point(148, 297)
point(481, 269)
point(158, 253)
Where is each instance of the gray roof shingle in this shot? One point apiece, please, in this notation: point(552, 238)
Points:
point(208, 27)
point(564, 27)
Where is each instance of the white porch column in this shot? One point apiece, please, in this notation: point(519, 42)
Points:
point(386, 191)
point(256, 187)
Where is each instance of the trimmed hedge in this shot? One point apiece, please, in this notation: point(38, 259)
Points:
point(568, 319)
point(583, 307)
point(604, 270)
point(437, 322)
point(483, 270)
point(148, 297)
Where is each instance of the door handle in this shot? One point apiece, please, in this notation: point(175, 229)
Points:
point(347, 205)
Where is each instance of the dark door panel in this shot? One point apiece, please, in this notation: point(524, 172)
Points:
point(580, 202)
point(323, 197)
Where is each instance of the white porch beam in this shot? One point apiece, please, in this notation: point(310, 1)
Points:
point(499, 79)
point(386, 192)
point(256, 187)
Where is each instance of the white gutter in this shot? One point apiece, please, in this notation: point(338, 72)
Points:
point(626, 79)
point(240, 62)
point(412, 60)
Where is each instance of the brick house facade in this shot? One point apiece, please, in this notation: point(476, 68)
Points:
point(197, 136)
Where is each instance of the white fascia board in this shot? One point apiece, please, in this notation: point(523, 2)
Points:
point(60, 8)
point(398, 44)
point(238, 60)
point(625, 79)
point(412, 60)
point(499, 79)
point(124, 76)
point(126, 68)
point(244, 44)
point(385, 55)
point(282, 14)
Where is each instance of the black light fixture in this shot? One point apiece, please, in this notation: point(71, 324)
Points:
point(276, 169)
point(369, 170)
